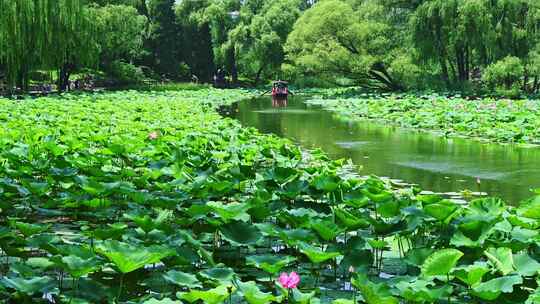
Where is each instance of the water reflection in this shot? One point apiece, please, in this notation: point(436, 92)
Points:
point(279, 101)
point(435, 163)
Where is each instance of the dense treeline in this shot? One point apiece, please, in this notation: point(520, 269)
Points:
point(382, 44)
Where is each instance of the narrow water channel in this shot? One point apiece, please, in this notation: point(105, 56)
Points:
point(435, 163)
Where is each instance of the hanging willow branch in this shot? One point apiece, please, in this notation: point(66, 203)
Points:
point(43, 34)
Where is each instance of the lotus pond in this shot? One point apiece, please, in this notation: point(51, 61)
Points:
point(490, 119)
point(153, 197)
point(448, 165)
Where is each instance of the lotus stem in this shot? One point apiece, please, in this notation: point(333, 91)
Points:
point(121, 286)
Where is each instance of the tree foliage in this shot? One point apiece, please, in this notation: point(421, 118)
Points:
point(44, 34)
point(344, 39)
point(120, 32)
point(378, 44)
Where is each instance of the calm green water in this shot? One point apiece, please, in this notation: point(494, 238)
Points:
point(435, 163)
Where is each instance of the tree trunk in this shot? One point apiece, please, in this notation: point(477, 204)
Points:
point(22, 79)
point(63, 77)
point(453, 70)
point(234, 68)
point(525, 87)
point(258, 75)
point(536, 84)
point(468, 64)
point(460, 60)
point(379, 73)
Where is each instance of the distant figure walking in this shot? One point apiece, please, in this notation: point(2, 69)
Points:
point(219, 78)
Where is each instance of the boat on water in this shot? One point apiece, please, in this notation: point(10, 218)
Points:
point(280, 89)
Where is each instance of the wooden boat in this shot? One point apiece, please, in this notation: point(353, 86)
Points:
point(280, 89)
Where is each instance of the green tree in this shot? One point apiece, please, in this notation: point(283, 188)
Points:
point(345, 39)
point(505, 72)
point(44, 34)
point(460, 35)
point(260, 38)
point(197, 48)
point(164, 37)
point(223, 17)
point(120, 33)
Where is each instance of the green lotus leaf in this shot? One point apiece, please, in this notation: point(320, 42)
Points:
point(417, 256)
point(231, 211)
point(148, 223)
point(471, 274)
point(77, 266)
point(217, 295)
point(377, 244)
point(28, 286)
point(219, 274)
point(254, 295)
point(162, 301)
point(299, 217)
point(37, 188)
point(477, 229)
point(534, 298)
point(326, 183)
point(489, 206)
point(241, 233)
point(530, 208)
point(373, 293)
point(294, 188)
point(326, 229)
point(350, 220)
point(316, 255)
point(443, 210)
point(422, 291)
point(492, 289)
point(523, 235)
point(388, 208)
point(441, 262)
point(28, 229)
point(523, 222)
point(182, 279)
point(460, 240)
point(293, 236)
point(40, 262)
point(501, 258)
point(20, 151)
point(357, 259)
point(111, 231)
point(303, 297)
point(356, 199)
point(526, 265)
point(128, 258)
point(270, 263)
point(92, 186)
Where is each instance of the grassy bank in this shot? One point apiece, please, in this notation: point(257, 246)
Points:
point(152, 197)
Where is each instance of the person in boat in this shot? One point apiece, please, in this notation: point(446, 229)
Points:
point(280, 93)
point(280, 88)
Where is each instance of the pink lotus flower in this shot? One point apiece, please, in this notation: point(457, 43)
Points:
point(289, 280)
point(153, 135)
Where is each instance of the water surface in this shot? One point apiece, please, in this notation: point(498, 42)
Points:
point(435, 163)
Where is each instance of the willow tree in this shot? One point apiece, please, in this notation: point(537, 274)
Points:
point(462, 35)
point(44, 34)
point(351, 39)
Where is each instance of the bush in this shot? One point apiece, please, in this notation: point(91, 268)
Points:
point(405, 72)
point(505, 72)
point(126, 73)
point(39, 76)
